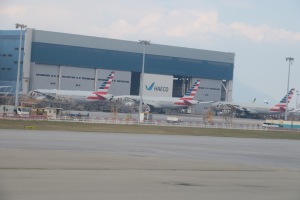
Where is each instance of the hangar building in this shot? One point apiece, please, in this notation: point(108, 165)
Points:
point(52, 60)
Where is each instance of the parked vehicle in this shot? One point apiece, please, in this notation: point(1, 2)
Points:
point(271, 125)
point(10, 111)
point(173, 119)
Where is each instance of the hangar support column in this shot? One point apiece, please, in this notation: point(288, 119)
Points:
point(96, 80)
point(229, 85)
point(59, 77)
point(26, 60)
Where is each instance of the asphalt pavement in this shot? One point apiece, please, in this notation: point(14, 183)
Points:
point(82, 165)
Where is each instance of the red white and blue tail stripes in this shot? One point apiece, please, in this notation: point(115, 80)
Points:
point(281, 106)
point(189, 95)
point(106, 84)
point(103, 89)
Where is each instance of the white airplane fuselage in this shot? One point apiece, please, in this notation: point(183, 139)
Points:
point(253, 108)
point(159, 102)
point(76, 95)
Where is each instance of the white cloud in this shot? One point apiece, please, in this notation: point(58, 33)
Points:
point(263, 33)
point(119, 29)
point(172, 25)
point(107, 20)
point(150, 20)
point(200, 25)
point(237, 3)
point(191, 23)
point(12, 11)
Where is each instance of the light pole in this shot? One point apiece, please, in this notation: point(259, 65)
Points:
point(144, 43)
point(297, 105)
point(290, 59)
point(22, 26)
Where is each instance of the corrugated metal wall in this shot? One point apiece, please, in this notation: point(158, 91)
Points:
point(53, 54)
point(73, 78)
point(209, 90)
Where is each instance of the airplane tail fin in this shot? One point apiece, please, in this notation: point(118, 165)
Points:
point(101, 93)
point(190, 94)
point(103, 89)
point(187, 99)
point(281, 106)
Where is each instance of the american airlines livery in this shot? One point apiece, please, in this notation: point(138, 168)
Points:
point(160, 103)
point(80, 96)
point(253, 109)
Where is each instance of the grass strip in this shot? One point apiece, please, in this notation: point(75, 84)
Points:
point(146, 129)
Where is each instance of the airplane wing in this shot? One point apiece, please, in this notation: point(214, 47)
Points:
point(37, 95)
point(136, 101)
point(239, 109)
point(193, 102)
point(200, 102)
point(235, 107)
point(250, 111)
point(100, 96)
point(186, 102)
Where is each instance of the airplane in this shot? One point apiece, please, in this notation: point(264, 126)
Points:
point(160, 103)
point(79, 96)
point(253, 109)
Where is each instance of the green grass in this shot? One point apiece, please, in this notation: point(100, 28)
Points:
point(146, 129)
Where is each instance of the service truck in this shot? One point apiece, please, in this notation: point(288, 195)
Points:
point(10, 111)
point(173, 119)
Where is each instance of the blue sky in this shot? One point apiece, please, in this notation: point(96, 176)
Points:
point(261, 33)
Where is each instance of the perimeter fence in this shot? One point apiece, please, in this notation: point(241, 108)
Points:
point(120, 121)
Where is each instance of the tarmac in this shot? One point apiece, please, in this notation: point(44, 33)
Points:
point(163, 117)
point(82, 165)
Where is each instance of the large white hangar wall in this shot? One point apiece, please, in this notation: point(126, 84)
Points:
point(121, 82)
point(62, 77)
point(209, 90)
point(44, 76)
point(158, 85)
point(75, 78)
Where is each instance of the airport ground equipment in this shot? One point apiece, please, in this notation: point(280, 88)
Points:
point(208, 117)
point(173, 119)
point(10, 111)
